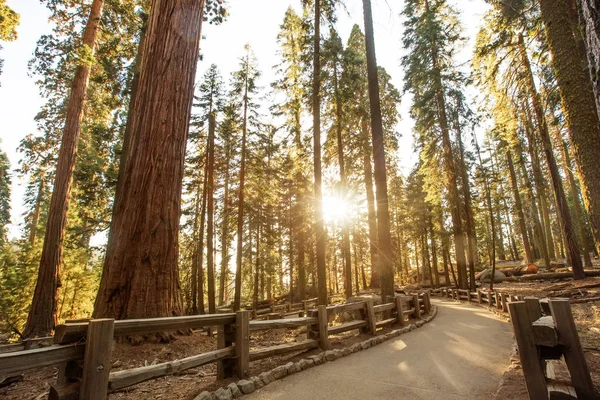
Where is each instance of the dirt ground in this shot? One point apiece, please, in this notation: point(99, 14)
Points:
point(190, 383)
point(587, 320)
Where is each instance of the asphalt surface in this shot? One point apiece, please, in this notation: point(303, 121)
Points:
point(461, 354)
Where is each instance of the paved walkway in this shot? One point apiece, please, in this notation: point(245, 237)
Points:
point(461, 354)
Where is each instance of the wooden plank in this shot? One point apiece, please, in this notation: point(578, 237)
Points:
point(533, 308)
point(323, 327)
point(545, 304)
point(348, 326)
point(96, 365)
point(528, 352)
point(544, 332)
point(225, 338)
point(359, 305)
point(130, 377)
point(371, 319)
point(69, 333)
point(409, 312)
point(417, 307)
point(384, 307)
point(479, 297)
point(384, 322)
point(242, 344)
point(499, 300)
point(573, 352)
point(558, 391)
point(19, 361)
point(400, 313)
point(281, 323)
point(259, 354)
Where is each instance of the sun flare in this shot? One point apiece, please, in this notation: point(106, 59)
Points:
point(335, 210)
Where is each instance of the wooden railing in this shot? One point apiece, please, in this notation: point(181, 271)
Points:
point(83, 349)
point(544, 331)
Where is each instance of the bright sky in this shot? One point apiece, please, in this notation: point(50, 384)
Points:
point(256, 22)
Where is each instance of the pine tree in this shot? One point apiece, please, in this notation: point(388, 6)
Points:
point(9, 20)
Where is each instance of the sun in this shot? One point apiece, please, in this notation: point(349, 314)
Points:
point(335, 210)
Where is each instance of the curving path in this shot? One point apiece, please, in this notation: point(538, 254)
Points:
point(461, 354)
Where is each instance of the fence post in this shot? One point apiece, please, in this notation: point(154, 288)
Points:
point(533, 309)
point(479, 300)
point(323, 321)
point(96, 362)
point(371, 323)
point(498, 300)
point(242, 343)
point(417, 306)
point(504, 296)
point(400, 316)
point(573, 352)
point(225, 338)
point(528, 352)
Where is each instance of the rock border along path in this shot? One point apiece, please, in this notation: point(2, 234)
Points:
point(247, 386)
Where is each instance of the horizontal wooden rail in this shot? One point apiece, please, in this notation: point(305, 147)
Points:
point(347, 307)
point(348, 326)
point(69, 333)
point(259, 354)
point(130, 377)
point(384, 307)
point(386, 322)
point(19, 361)
point(282, 323)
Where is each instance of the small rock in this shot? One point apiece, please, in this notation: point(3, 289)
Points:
point(292, 368)
point(223, 394)
point(235, 391)
point(309, 363)
point(338, 353)
point(279, 372)
point(204, 396)
point(317, 359)
point(330, 355)
point(355, 347)
point(267, 377)
point(246, 386)
point(365, 345)
point(420, 323)
point(346, 351)
point(258, 383)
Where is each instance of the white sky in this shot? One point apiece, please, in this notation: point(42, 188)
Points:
point(256, 22)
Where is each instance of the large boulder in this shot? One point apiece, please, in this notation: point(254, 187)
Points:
point(486, 275)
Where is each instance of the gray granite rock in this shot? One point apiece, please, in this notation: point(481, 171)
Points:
point(223, 394)
point(330, 355)
point(258, 383)
point(204, 396)
point(246, 386)
point(346, 351)
point(317, 358)
point(235, 391)
point(267, 377)
point(279, 372)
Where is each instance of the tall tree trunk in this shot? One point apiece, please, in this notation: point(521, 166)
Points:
point(42, 316)
point(384, 240)
point(200, 195)
point(225, 231)
point(198, 258)
point(340, 144)
point(371, 213)
point(210, 230)
point(316, 109)
point(519, 207)
point(257, 268)
point(577, 93)
point(436, 272)
point(590, 138)
point(140, 276)
point(450, 169)
point(469, 219)
point(590, 16)
point(241, 196)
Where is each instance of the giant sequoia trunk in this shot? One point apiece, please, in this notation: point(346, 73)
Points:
point(519, 207)
point(576, 89)
point(316, 109)
point(590, 15)
point(42, 316)
point(559, 192)
point(140, 276)
point(384, 241)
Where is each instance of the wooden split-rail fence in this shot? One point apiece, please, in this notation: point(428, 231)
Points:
point(545, 332)
point(83, 350)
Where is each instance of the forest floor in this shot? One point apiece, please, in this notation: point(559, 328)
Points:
point(36, 384)
point(587, 320)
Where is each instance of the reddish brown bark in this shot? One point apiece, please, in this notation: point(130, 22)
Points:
point(42, 316)
point(140, 277)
